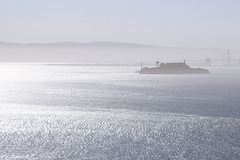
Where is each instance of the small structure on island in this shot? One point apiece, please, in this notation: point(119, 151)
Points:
point(208, 61)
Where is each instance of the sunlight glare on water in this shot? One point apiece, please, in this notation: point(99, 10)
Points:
point(92, 112)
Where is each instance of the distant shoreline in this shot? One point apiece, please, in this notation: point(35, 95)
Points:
point(108, 64)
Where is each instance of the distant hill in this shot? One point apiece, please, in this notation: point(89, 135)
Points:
point(106, 52)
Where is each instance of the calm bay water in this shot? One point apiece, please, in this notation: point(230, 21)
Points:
point(92, 112)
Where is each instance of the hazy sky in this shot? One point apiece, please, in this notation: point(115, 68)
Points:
point(177, 23)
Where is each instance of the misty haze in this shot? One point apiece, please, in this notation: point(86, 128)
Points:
point(119, 79)
point(109, 53)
